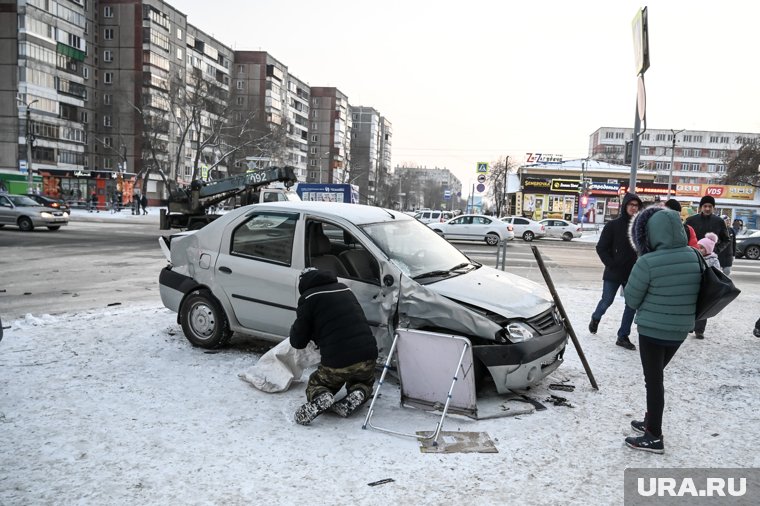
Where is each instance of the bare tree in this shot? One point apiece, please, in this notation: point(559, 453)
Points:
point(744, 166)
point(497, 184)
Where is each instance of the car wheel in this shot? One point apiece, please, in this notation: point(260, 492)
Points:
point(25, 224)
point(203, 321)
point(439, 233)
point(53, 227)
point(492, 239)
point(528, 236)
point(567, 236)
point(752, 252)
point(2, 225)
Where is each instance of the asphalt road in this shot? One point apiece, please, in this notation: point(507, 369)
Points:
point(91, 265)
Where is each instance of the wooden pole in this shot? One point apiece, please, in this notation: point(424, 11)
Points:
point(561, 308)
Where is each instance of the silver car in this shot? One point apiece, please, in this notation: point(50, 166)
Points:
point(561, 228)
point(25, 213)
point(240, 274)
point(474, 227)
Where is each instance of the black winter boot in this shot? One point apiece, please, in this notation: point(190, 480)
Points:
point(625, 343)
point(309, 411)
point(593, 325)
point(647, 443)
point(348, 404)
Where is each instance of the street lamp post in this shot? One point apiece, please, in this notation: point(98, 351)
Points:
point(672, 157)
point(321, 155)
point(29, 140)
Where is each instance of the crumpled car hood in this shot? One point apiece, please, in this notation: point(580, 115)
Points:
point(497, 291)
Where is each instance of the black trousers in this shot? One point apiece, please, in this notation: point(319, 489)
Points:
point(654, 358)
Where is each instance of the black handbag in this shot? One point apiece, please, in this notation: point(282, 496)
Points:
point(716, 291)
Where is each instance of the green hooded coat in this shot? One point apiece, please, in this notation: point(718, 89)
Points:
point(664, 283)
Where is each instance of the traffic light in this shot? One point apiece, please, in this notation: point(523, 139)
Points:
point(628, 152)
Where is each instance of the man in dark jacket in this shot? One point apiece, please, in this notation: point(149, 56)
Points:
point(329, 314)
point(618, 256)
point(703, 223)
point(726, 257)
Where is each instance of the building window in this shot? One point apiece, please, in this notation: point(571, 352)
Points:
point(313, 126)
point(179, 54)
point(697, 138)
point(86, 72)
point(108, 141)
point(108, 77)
point(687, 138)
point(315, 101)
point(241, 69)
point(179, 33)
point(240, 100)
point(108, 34)
point(713, 138)
point(724, 140)
point(660, 137)
point(239, 84)
point(108, 11)
point(107, 55)
point(313, 163)
point(313, 150)
point(84, 117)
point(721, 168)
point(107, 120)
point(107, 98)
point(314, 138)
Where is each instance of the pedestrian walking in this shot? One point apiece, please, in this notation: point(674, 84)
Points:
point(726, 257)
point(135, 203)
point(94, 202)
point(703, 223)
point(663, 289)
point(618, 256)
point(144, 203)
point(756, 331)
point(329, 314)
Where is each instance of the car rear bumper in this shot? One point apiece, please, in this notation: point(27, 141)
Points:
point(173, 287)
point(520, 365)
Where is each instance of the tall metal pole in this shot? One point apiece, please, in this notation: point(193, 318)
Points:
point(635, 152)
point(506, 200)
point(29, 173)
point(672, 157)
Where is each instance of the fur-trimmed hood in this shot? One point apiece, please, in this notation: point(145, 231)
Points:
point(656, 228)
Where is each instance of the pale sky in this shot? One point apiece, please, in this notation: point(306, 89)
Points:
point(471, 81)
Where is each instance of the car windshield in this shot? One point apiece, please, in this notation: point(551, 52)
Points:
point(416, 249)
point(20, 200)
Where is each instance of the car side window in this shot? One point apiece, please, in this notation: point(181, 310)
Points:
point(266, 236)
point(458, 221)
point(4, 202)
point(481, 220)
point(334, 248)
point(521, 221)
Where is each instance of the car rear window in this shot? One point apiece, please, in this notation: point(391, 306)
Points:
point(266, 236)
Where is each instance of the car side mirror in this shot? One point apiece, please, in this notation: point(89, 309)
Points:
point(388, 280)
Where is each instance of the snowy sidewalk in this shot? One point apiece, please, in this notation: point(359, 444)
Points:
point(124, 216)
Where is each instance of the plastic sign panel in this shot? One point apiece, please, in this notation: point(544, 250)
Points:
point(482, 168)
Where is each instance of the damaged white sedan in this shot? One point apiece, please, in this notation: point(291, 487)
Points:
point(240, 274)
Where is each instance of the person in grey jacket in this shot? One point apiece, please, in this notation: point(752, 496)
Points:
point(663, 289)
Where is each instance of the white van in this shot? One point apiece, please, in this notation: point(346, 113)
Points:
point(429, 216)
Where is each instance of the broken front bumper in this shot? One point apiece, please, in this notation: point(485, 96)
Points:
point(520, 365)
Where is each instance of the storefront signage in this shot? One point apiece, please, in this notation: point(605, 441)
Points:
point(598, 188)
point(716, 190)
point(542, 158)
point(647, 189)
point(536, 185)
point(565, 185)
point(81, 173)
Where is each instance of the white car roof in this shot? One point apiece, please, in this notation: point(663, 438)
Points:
point(355, 213)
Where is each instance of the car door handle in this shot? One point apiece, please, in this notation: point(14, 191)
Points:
point(225, 270)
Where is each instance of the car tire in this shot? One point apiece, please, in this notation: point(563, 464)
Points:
point(53, 227)
point(752, 252)
point(567, 236)
point(528, 236)
point(492, 239)
point(203, 321)
point(25, 224)
point(2, 225)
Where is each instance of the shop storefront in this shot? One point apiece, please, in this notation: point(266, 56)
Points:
point(736, 202)
point(548, 198)
point(76, 186)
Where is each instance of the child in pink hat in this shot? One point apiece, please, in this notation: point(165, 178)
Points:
point(706, 245)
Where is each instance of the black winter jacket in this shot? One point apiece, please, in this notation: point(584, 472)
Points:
point(329, 314)
point(614, 248)
point(702, 224)
point(726, 257)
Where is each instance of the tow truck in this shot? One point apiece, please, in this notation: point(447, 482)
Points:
point(190, 208)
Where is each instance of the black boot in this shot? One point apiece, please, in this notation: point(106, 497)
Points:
point(348, 404)
point(648, 443)
point(625, 343)
point(593, 326)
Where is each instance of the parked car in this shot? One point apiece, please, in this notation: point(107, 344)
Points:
point(240, 273)
point(50, 202)
point(561, 228)
point(748, 246)
point(429, 216)
point(524, 227)
point(25, 213)
point(474, 227)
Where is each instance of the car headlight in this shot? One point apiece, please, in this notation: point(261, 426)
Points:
point(65, 214)
point(519, 332)
point(46, 214)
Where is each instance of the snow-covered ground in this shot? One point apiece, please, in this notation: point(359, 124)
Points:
point(115, 407)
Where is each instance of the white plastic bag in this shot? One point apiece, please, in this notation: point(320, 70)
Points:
point(280, 366)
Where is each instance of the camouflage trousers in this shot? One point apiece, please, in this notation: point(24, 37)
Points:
point(358, 376)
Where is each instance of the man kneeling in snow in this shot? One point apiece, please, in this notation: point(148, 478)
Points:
point(329, 314)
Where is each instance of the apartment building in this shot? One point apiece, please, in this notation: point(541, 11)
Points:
point(329, 136)
point(699, 156)
point(275, 107)
point(42, 74)
point(421, 187)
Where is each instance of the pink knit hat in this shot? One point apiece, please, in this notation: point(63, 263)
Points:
point(708, 242)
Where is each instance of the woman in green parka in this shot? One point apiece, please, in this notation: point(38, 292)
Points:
point(662, 288)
